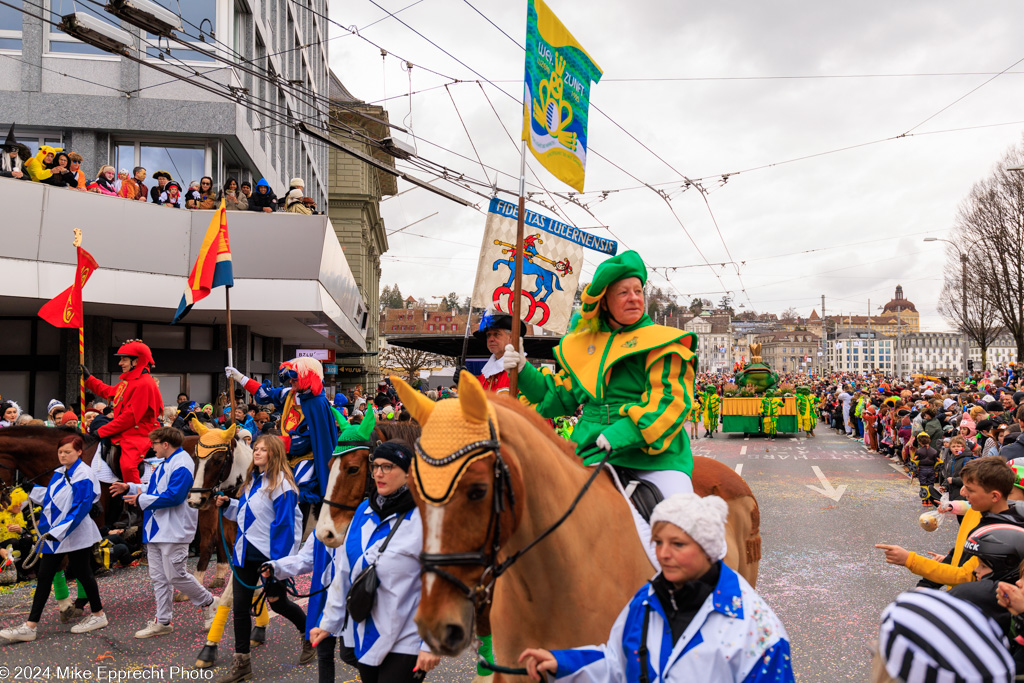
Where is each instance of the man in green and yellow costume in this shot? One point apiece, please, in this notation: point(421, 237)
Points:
point(806, 410)
point(712, 407)
point(634, 379)
point(770, 407)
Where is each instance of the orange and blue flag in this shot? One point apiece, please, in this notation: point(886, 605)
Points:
point(213, 265)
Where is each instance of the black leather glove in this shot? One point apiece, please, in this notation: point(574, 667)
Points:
point(85, 371)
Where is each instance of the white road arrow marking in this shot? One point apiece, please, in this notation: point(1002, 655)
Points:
point(743, 451)
point(826, 489)
point(739, 469)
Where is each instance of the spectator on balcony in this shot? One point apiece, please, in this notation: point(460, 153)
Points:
point(263, 199)
point(104, 182)
point(77, 174)
point(13, 158)
point(293, 202)
point(60, 173)
point(134, 187)
point(122, 176)
point(233, 199)
point(161, 178)
point(38, 167)
point(247, 190)
point(191, 197)
point(171, 196)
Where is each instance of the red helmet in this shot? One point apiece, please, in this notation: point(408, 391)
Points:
point(137, 350)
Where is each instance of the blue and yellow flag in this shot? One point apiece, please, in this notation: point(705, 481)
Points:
point(213, 264)
point(558, 77)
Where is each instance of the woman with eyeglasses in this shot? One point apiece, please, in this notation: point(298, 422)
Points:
point(398, 652)
point(269, 528)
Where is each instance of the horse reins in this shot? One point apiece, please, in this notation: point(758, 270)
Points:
point(481, 594)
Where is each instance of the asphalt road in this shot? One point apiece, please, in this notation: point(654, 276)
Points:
point(819, 571)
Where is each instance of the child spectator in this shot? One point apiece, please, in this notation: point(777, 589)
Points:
point(993, 499)
point(171, 196)
point(192, 198)
point(926, 459)
point(77, 181)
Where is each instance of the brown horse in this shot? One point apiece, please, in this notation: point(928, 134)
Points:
point(222, 461)
point(568, 590)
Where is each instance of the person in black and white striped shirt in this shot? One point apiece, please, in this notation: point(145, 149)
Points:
point(928, 635)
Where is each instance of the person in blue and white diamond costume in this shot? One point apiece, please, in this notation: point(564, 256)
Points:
point(704, 622)
point(269, 528)
point(386, 646)
point(168, 526)
point(65, 531)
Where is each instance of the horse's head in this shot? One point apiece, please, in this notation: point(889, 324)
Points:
point(218, 465)
point(348, 482)
point(464, 490)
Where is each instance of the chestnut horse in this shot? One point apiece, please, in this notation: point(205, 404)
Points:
point(489, 478)
point(222, 461)
point(350, 478)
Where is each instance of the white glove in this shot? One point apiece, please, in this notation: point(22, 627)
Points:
point(512, 359)
point(603, 443)
point(233, 373)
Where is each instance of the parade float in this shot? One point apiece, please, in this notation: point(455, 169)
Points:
point(755, 397)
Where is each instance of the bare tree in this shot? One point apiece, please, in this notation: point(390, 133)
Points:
point(981, 324)
point(409, 362)
point(990, 230)
point(790, 315)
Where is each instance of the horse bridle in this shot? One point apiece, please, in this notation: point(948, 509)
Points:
point(431, 563)
point(354, 446)
point(225, 467)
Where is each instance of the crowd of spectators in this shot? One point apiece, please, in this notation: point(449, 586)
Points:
point(58, 168)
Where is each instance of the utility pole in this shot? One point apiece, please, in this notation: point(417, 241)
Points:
point(963, 304)
point(871, 338)
point(823, 359)
point(899, 347)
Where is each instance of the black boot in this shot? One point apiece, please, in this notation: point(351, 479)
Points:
point(308, 653)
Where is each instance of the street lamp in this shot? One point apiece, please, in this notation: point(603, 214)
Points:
point(963, 284)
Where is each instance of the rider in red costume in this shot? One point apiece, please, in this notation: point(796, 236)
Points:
point(137, 406)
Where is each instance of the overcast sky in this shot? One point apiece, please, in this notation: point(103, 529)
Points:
point(866, 209)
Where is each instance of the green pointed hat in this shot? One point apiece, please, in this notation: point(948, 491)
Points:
point(626, 264)
point(355, 437)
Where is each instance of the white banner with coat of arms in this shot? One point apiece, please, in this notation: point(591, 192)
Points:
point(551, 270)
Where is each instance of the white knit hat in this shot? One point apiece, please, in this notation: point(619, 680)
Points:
point(243, 432)
point(297, 182)
point(54, 403)
point(702, 518)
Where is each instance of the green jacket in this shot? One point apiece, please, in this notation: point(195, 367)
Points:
point(636, 387)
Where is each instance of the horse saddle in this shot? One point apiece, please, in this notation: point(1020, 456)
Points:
point(643, 494)
point(112, 456)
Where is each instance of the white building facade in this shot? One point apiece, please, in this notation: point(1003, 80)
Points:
point(714, 343)
point(860, 352)
point(931, 353)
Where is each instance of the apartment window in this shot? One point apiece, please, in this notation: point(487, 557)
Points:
point(10, 26)
point(430, 327)
point(61, 43)
point(33, 140)
point(444, 328)
point(199, 17)
point(184, 162)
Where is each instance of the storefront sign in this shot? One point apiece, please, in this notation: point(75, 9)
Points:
point(322, 355)
point(330, 369)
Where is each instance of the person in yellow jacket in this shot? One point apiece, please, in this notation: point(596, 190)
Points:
point(38, 167)
point(994, 491)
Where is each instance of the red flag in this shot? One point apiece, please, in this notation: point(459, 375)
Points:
point(65, 309)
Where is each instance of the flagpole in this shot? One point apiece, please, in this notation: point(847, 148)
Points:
point(77, 244)
point(231, 362)
point(517, 288)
